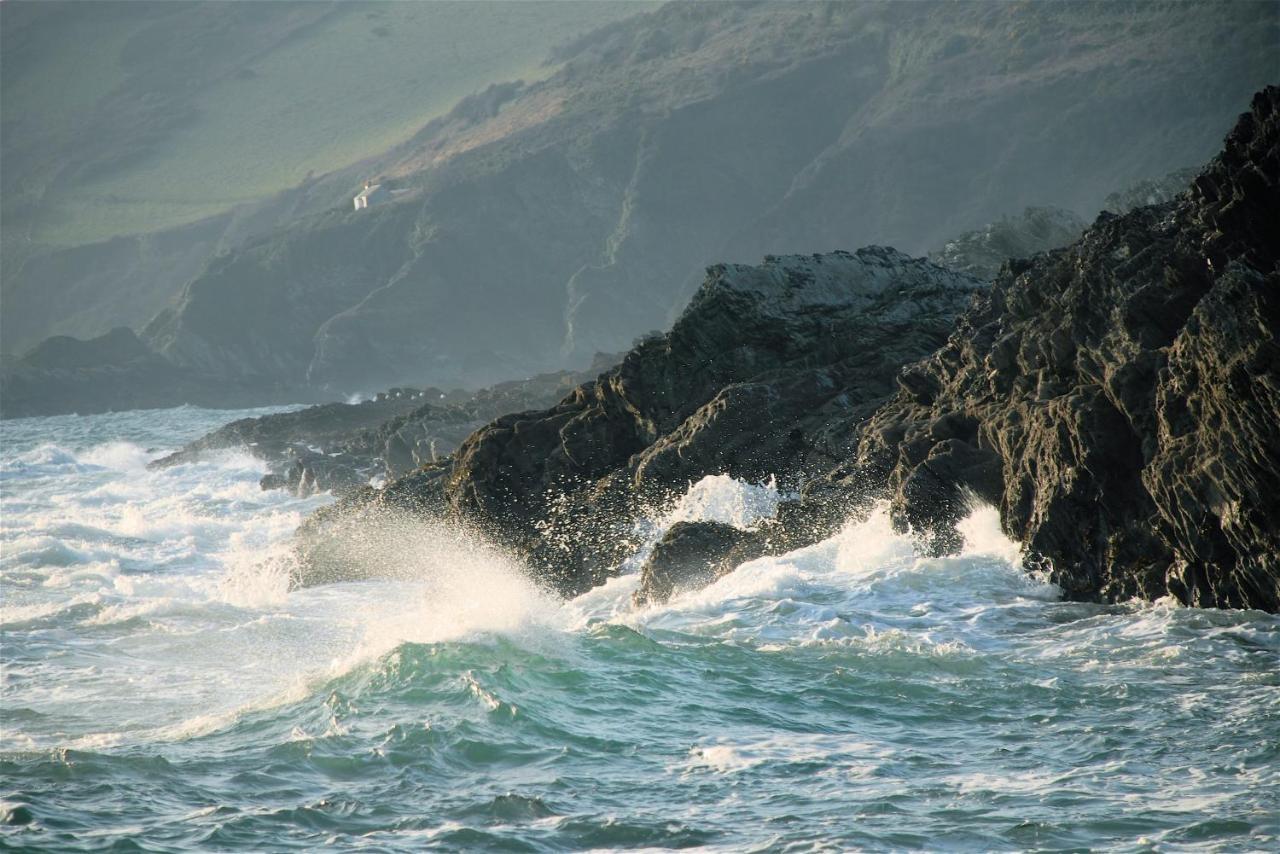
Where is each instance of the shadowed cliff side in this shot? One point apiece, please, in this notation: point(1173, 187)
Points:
point(1127, 390)
point(767, 370)
point(555, 219)
point(1116, 399)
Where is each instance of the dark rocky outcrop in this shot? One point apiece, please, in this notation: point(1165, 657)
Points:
point(1119, 399)
point(113, 372)
point(305, 446)
point(689, 555)
point(984, 251)
point(340, 447)
point(767, 371)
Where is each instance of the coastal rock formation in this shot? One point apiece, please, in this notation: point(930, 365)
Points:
point(690, 555)
point(307, 447)
point(113, 372)
point(340, 447)
point(546, 220)
point(1118, 400)
point(984, 251)
point(766, 371)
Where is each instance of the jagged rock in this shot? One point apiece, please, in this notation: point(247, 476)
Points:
point(338, 447)
point(1152, 191)
point(764, 372)
point(295, 440)
point(350, 540)
point(983, 251)
point(312, 472)
point(1118, 400)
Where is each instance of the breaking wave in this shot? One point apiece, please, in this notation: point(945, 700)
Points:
point(164, 682)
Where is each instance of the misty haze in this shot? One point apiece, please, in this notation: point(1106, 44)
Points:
point(551, 425)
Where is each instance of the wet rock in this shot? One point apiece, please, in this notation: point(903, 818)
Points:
point(690, 555)
point(1118, 399)
point(339, 446)
point(764, 372)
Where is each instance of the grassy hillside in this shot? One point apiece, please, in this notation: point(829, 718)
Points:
point(562, 218)
point(121, 118)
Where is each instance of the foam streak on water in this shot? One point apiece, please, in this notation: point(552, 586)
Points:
point(161, 683)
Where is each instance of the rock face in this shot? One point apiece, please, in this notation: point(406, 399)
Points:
point(306, 447)
point(1116, 399)
point(1150, 191)
point(548, 220)
point(112, 372)
point(1119, 399)
point(984, 251)
point(766, 371)
point(690, 555)
point(340, 447)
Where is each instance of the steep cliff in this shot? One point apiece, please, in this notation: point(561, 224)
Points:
point(1116, 399)
point(766, 371)
point(550, 220)
point(1120, 397)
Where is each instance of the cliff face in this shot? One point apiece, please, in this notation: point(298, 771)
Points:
point(766, 371)
point(1117, 400)
point(1120, 397)
point(552, 220)
point(112, 372)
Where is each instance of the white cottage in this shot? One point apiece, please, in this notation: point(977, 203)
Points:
point(372, 194)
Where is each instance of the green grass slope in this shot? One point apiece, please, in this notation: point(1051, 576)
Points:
point(550, 221)
point(122, 118)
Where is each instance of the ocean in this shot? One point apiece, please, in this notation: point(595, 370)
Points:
point(164, 689)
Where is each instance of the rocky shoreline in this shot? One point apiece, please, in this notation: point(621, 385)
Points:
point(340, 447)
point(1117, 400)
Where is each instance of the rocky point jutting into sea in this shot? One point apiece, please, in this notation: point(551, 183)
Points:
point(1117, 400)
point(760, 426)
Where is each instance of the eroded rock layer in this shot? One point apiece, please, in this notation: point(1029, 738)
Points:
point(1119, 400)
point(768, 370)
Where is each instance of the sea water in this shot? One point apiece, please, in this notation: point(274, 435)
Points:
point(164, 688)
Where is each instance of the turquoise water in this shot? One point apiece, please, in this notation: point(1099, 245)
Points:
point(163, 689)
